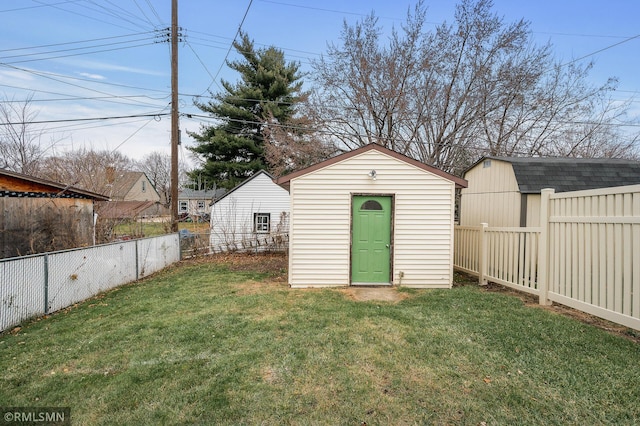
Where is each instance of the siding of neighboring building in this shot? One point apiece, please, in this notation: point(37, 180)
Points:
point(197, 202)
point(141, 190)
point(492, 196)
point(232, 216)
point(533, 210)
point(507, 194)
point(129, 186)
point(422, 221)
point(39, 215)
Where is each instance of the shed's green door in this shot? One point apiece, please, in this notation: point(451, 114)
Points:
point(371, 240)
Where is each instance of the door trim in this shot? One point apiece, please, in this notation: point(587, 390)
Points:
point(391, 237)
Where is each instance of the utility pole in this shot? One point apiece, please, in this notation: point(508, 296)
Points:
point(175, 128)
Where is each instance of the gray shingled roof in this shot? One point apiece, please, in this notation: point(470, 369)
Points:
point(572, 174)
point(209, 194)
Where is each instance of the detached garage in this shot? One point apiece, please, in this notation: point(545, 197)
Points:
point(371, 216)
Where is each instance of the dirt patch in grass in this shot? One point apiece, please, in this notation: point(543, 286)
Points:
point(274, 264)
point(382, 294)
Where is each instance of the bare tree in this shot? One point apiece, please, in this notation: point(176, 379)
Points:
point(293, 146)
point(21, 141)
point(86, 168)
point(476, 86)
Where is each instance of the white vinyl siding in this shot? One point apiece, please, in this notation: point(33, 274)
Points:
point(422, 222)
point(492, 196)
point(233, 216)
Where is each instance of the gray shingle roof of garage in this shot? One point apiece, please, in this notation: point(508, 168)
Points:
point(572, 174)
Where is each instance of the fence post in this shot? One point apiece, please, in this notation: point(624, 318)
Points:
point(137, 261)
point(46, 284)
point(543, 248)
point(482, 255)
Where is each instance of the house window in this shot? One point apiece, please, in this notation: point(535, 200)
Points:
point(261, 223)
point(144, 186)
point(200, 204)
point(184, 206)
point(486, 164)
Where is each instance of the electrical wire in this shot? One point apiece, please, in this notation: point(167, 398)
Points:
point(77, 42)
point(224, 61)
point(54, 6)
point(53, 76)
point(72, 120)
point(3, 59)
point(628, 39)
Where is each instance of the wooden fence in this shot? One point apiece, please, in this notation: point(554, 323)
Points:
point(585, 254)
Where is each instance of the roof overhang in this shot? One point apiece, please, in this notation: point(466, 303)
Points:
point(285, 181)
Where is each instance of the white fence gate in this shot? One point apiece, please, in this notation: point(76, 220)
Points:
point(585, 254)
point(39, 284)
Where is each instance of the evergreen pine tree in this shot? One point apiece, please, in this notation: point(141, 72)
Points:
point(234, 149)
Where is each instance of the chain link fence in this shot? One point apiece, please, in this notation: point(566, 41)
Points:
point(40, 284)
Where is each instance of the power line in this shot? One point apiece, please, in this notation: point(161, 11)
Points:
point(76, 42)
point(72, 120)
point(602, 50)
point(224, 61)
point(70, 98)
point(4, 58)
point(42, 5)
point(52, 76)
point(54, 6)
point(153, 10)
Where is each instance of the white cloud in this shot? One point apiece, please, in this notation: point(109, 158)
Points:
point(106, 66)
point(92, 76)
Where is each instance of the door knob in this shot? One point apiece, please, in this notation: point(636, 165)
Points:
point(387, 245)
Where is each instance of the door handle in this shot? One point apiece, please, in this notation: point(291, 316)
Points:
point(387, 245)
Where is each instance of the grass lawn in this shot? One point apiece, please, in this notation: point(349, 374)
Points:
point(227, 342)
point(152, 229)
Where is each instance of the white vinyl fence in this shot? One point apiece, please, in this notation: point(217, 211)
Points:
point(40, 284)
point(585, 254)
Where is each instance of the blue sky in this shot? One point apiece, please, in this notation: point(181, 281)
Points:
point(84, 59)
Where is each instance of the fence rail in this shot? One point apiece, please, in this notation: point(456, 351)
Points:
point(39, 284)
point(585, 254)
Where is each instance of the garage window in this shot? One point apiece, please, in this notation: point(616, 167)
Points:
point(261, 223)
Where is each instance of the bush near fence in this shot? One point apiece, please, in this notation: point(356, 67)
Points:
point(37, 285)
point(585, 254)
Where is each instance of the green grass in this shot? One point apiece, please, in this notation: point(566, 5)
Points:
point(152, 229)
point(206, 344)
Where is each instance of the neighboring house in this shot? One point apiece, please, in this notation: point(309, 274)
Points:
point(40, 215)
point(371, 216)
point(505, 191)
point(131, 186)
point(197, 202)
point(255, 208)
point(131, 196)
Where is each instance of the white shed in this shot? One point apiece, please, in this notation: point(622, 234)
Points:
point(252, 210)
point(371, 216)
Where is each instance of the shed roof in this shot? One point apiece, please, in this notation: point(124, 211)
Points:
point(571, 174)
point(284, 180)
point(243, 183)
point(48, 186)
